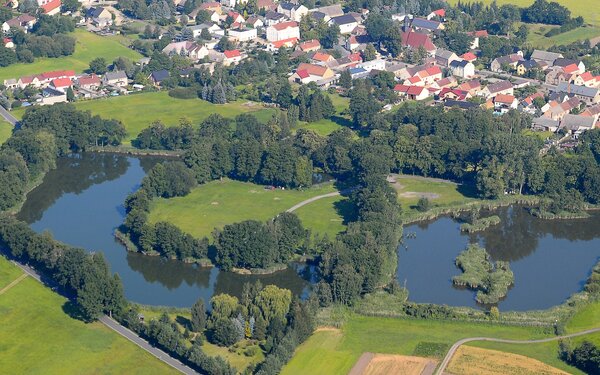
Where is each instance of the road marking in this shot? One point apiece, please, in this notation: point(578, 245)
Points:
point(15, 282)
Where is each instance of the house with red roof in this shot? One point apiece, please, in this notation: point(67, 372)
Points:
point(414, 40)
point(236, 17)
point(89, 82)
point(312, 45)
point(287, 43)
point(47, 77)
point(306, 73)
point(232, 57)
point(50, 7)
point(469, 56)
point(587, 79)
point(504, 103)
point(453, 94)
point(61, 84)
point(412, 92)
point(439, 13)
point(8, 43)
point(283, 31)
point(322, 57)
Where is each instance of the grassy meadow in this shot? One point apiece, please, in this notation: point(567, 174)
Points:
point(88, 47)
point(536, 37)
point(39, 337)
point(5, 131)
point(340, 118)
point(218, 203)
point(326, 216)
point(333, 351)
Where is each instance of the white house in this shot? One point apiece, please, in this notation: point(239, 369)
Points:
point(462, 68)
point(292, 11)
point(24, 22)
point(243, 34)
point(377, 64)
point(212, 28)
point(347, 23)
point(283, 31)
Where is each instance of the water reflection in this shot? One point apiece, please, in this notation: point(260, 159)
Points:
point(551, 259)
point(81, 204)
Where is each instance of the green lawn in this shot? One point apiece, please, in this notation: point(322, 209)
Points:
point(5, 131)
point(440, 192)
point(8, 273)
point(218, 203)
point(586, 318)
point(335, 352)
point(89, 46)
point(536, 37)
point(138, 111)
point(38, 337)
point(586, 9)
point(329, 215)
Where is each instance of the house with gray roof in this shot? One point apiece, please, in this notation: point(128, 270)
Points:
point(117, 78)
point(545, 56)
point(443, 57)
point(588, 95)
point(577, 124)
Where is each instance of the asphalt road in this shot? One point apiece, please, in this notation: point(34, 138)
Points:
point(456, 345)
point(8, 116)
point(130, 335)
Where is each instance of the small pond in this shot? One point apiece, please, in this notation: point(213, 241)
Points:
point(551, 259)
point(81, 204)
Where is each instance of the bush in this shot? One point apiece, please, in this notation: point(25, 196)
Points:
point(184, 93)
point(16, 104)
point(423, 204)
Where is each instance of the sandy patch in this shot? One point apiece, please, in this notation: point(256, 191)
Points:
point(470, 360)
point(214, 203)
point(389, 364)
point(276, 199)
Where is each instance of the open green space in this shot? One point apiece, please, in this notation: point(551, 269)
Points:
point(329, 215)
point(138, 111)
point(537, 38)
point(577, 7)
point(218, 203)
point(441, 193)
point(5, 131)
point(39, 337)
point(586, 318)
point(336, 351)
point(88, 47)
point(8, 273)
point(341, 118)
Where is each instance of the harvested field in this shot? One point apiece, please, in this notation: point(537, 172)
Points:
point(389, 364)
point(476, 361)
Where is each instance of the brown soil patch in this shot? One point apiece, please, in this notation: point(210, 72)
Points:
point(470, 360)
point(389, 364)
point(414, 194)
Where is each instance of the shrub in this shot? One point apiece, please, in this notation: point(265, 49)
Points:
point(183, 93)
point(423, 204)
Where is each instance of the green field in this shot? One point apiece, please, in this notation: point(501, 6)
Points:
point(335, 352)
point(38, 337)
point(327, 126)
point(5, 131)
point(326, 216)
point(586, 9)
point(89, 46)
point(218, 203)
point(138, 111)
point(536, 37)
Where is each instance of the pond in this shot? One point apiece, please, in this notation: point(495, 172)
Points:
point(81, 204)
point(551, 259)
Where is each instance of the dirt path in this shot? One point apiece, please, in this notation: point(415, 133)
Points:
point(456, 345)
point(13, 283)
point(310, 200)
point(361, 364)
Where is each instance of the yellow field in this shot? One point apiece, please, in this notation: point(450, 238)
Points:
point(387, 364)
point(476, 361)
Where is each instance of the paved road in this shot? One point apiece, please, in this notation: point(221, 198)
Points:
point(455, 347)
point(8, 116)
point(131, 336)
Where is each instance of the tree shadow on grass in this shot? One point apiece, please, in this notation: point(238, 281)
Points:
point(185, 322)
point(72, 309)
point(346, 210)
point(468, 190)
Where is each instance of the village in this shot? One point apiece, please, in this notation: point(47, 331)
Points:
point(558, 93)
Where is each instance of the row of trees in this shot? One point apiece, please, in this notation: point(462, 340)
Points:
point(585, 356)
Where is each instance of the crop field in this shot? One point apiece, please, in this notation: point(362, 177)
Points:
point(139, 111)
point(218, 203)
point(334, 351)
point(39, 337)
point(476, 361)
point(88, 47)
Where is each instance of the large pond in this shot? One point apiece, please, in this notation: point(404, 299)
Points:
point(81, 204)
point(551, 259)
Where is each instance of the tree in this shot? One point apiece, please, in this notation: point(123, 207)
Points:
point(369, 53)
point(7, 56)
point(198, 320)
point(345, 79)
point(70, 94)
point(225, 44)
point(330, 37)
point(423, 204)
point(274, 302)
point(98, 65)
point(224, 332)
point(223, 306)
point(71, 6)
point(205, 34)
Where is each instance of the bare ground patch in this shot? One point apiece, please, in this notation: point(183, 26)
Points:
point(389, 364)
point(470, 360)
point(414, 194)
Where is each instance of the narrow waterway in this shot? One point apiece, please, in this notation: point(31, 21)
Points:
point(81, 204)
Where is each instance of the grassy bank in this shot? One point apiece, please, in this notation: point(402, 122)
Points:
point(5, 131)
point(218, 203)
point(88, 47)
point(39, 337)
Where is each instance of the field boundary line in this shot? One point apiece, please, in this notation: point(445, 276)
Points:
point(13, 283)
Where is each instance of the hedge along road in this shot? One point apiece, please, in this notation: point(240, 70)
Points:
point(456, 345)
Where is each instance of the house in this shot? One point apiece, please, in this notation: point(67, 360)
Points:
point(47, 77)
point(545, 124)
point(528, 102)
point(577, 124)
point(50, 7)
point(8, 43)
point(545, 56)
point(524, 66)
point(228, 3)
point(99, 16)
point(89, 82)
point(440, 13)
point(426, 25)
point(557, 110)
point(243, 34)
point(504, 103)
point(462, 68)
point(347, 23)
point(61, 84)
point(273, 18)
point(306, 73)
point(453, 94)
point(198, 52)
point(11, 83)
point(377, 64)
point(25, 81)
point(472, 87)
point(232, 57)
point(287, 43)
point(415, 40)
point(159, 76)
point(178, 48)
point(556, 76)
point(566, 64)
point(326, 13)
point(322, 57)
point(594, 112)
point(469, 56)
point(312, 45)
point(24, 22)
point(266, 5)
point(51, 96)
point(255, 21)
point(283, 31)
point(292, 11)
point(212, 28)
point(211, 6)
point(412, 92)
point(499, 64)
point(587, 79)
point(443, 57)
point(358, 42)
point(588, 95)
point(117, 78)
point(477, 36)
point(447, 82)
point(498, 88)
point(236, 17)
